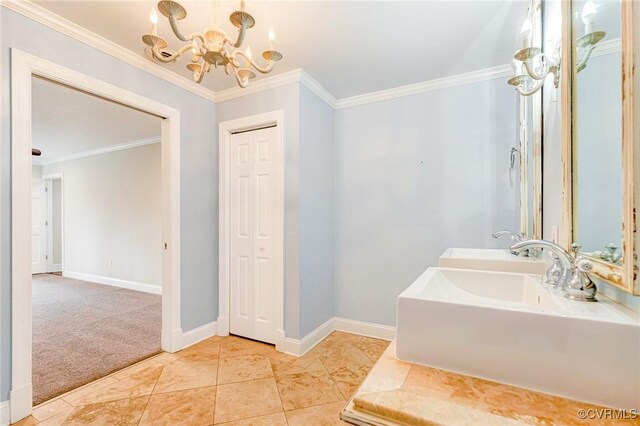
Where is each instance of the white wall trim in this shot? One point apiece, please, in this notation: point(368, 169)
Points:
point(23, 67)
point(607, 47)
point(362, 328)
point(75, 31)
point(427, 86)
point(310, 83)
point(300, 347)
point(114, 282)
point(99, 151)
point(5, 413)
point(191, 337)
point(225, 131)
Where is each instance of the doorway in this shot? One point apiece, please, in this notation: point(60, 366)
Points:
point(46, 224)
point(24, 68)
point(252, 228)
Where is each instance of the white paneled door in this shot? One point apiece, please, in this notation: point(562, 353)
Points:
point(38, 227)
point(253, 212)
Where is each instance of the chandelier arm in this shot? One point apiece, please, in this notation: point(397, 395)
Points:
point(532, 72)
point(157, 54)
point(241, 82)
point(538, 84)
point(583, 63)
point(265, 70)
point(176, 31)
point(242, 32)
point(204, 69)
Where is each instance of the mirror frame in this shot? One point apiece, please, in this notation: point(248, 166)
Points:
point(536, 141)
point(622, 276)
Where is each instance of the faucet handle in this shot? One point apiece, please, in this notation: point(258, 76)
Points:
point(575, 247)
point(584, 265)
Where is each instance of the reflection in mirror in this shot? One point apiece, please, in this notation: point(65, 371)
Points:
point(597, 145)
point(531, 162)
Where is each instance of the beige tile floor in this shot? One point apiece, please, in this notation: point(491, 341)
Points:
point(226, 381)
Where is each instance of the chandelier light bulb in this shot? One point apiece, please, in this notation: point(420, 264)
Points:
point(153, 17)
point(248, 52)
point(272, 38)
point(526, 31)
point(588, 14)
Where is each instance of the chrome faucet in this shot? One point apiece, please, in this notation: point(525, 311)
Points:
point(574, 278)
point(515, 237)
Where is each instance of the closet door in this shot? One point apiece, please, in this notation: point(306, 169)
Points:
point(252, 221)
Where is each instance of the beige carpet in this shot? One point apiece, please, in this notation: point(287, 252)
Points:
point(83, 331)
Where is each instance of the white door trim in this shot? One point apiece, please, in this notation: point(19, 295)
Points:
point(226, 128)
point(23, 67)
point(49, 178)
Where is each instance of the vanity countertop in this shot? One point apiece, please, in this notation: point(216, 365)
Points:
point(400, 393)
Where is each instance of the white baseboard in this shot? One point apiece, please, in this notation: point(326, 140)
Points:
point(21, 400)
point(56, 267)
point(5, 413)
point(368, 329)
point(114, 282)
point(199, 334)
point(300, 347)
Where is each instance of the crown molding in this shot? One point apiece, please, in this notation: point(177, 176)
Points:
point(310, 83)
point(427, 86)
point(77, 32)
point(98, 151)
point(608, 47)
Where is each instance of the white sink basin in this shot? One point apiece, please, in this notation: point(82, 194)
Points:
point(490, 260)
point(507, 328)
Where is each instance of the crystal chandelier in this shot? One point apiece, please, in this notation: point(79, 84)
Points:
point(213, 47)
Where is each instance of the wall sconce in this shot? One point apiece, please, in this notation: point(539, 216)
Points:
point(586, 43)
point(533, 66)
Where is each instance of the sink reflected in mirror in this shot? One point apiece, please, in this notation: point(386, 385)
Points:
point(490, 260)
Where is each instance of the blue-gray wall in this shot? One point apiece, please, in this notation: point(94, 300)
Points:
point(317, 142)
point(199, 167)
point(414, 176)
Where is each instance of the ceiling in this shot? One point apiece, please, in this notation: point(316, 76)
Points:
point(350, 47)
point(67, 121)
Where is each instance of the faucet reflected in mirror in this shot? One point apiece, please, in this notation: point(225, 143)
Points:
point(572, 270)
point(515, 237)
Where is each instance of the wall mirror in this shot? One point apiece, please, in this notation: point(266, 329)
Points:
point(530, 130)
point(599, 209)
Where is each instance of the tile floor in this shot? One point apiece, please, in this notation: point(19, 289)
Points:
point(226, 381)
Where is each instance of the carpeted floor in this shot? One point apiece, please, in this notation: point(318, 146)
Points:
point(83, 331)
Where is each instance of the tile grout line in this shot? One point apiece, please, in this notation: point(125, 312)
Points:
point(215, 402)
point(150, 395)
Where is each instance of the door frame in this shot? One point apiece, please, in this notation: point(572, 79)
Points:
point(24, 67)
point(226, 129)
point(49, 178)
